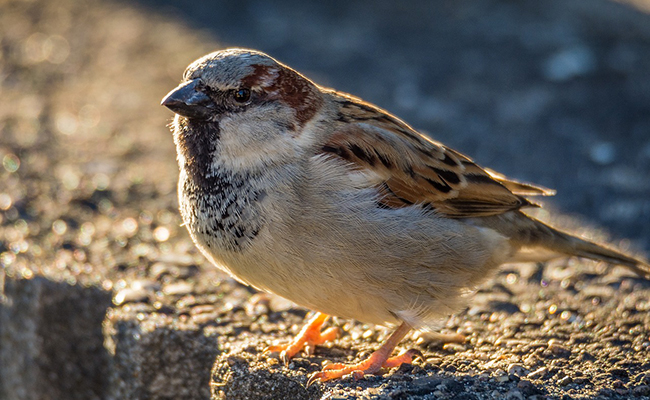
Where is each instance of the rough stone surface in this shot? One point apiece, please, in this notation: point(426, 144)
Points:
point(51, 342)
point(247, 375)
point(155, 358)
point(103, 295)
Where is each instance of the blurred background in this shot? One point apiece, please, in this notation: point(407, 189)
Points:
point(555, 92)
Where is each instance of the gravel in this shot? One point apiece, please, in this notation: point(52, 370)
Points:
point(103, 295)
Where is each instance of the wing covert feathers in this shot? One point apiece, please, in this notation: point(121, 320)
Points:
point(416, 170)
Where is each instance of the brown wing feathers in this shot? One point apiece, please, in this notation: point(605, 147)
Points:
point(416, 170)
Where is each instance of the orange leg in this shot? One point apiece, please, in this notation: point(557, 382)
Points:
point(310, 336)
point(377, 360)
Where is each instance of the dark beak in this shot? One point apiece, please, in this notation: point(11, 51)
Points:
point(189, 102)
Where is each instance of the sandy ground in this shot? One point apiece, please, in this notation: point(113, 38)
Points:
point(557, 94)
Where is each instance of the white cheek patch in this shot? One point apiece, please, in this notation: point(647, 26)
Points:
point(247, 143)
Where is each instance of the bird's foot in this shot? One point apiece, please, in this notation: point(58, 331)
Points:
point(371, 365)
point(310, 336)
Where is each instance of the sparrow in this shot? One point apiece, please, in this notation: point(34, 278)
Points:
point(341, 207)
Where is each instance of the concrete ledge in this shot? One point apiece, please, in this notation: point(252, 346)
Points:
point(51, 342)
point(157, 359)
point(244, 373)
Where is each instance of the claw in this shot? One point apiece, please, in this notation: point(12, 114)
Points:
point(373, 364)
point(416, 354)
point(357, 375)
point(316, 376)
point(273, 349)
point(310, 336)
point(284, 358)
point(333, 366)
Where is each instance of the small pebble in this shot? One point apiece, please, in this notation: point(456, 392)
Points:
point(514, 395)
point(130, 295)
point(454, 347)
point(484, 377)
point(642, 390)
point(518, 370)
point(205, 318)
point(585, 356)
point(257, 305)
point(234, 360)
point(178, 288)
point(527, 388)
point(145, 284)
point(202, 309)
point(619, 372)
point(181, 259)
point(368, 333)
point(558, 349)
point(581, 380)
point(538, 373)
point(643, 378)
point(158, 269)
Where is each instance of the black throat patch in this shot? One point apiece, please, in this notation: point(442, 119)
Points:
point(219, 206)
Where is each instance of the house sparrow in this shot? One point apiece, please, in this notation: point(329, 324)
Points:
point(341, 207)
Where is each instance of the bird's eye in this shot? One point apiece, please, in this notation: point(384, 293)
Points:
point(242, 95)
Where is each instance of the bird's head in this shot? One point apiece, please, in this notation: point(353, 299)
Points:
point(229, 82)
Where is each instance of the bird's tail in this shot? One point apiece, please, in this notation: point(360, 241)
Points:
point(535, 234)
point(594, 251)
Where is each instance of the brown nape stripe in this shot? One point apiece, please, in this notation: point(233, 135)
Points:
point(480, 178)
point(447, 176)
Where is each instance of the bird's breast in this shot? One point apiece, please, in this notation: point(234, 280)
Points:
point(220, 209)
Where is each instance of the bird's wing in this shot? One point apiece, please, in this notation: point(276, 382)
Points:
point(410, 168)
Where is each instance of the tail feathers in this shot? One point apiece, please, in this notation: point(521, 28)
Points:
point(553, 241)
point(583, 248)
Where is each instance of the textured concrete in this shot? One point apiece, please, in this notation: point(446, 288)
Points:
point(51, 342)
